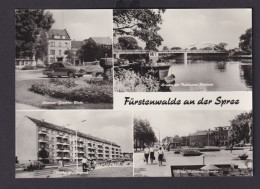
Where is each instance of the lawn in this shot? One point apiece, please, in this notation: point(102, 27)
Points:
point(27, 97)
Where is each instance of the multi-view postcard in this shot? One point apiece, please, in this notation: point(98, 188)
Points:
point(71, 66)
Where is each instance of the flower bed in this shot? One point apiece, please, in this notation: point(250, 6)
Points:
point(129, 81)
point(93, 91)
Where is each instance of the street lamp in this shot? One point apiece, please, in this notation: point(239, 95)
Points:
point(159, 135)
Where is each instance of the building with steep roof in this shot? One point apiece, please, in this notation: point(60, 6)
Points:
point(58, 42)
point(101, 41)
point(61, 143)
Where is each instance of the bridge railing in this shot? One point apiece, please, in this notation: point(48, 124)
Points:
point(166, 51)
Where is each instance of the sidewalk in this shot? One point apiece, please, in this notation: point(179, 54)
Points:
point(151, 170)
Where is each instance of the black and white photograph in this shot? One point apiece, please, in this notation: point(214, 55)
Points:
point(73, 144)
point(63, 59)
point(193, 143)
point(168, 50)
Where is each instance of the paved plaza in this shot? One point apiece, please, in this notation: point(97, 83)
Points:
point(217, 157)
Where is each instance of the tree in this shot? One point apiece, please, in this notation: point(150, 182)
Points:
point(141, 23)
point(43, 154)
point(143, 133)
point(246, 41)
point(165, 48)
point(222, 46)
point(91, 52)
point(242, 127)
point(128, 42)
point(70, 54)
point(28, 25)
point(176, 48)
point(41, 46)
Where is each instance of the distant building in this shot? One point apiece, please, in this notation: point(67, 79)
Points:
point(58, 42)
point(21, 63)
point(100, 41)
point(222, 135)
point(75, 46)
point(202, 138)
point(61, 143)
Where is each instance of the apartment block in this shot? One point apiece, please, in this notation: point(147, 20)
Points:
point(65, 144)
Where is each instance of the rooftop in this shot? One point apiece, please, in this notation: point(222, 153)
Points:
point(57, 32)
point(199, 133)
point(101, 40)
point(76, 44)
point(64, 129)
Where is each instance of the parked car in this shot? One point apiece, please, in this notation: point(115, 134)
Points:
point(63, 69)
point(33, 165)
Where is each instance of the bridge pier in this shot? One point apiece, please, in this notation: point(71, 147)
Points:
point(182, 58)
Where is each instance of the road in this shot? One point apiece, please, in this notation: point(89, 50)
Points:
point(108, 171)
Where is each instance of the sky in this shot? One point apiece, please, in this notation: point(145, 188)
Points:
point(180, 27)
point(82, 24)
point(183, 123)
point(184, 27)
point(115, 126)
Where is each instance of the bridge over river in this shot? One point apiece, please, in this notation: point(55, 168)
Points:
point(181, 55)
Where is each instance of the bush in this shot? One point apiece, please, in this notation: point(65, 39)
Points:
point(129, 81)
point(75, 90)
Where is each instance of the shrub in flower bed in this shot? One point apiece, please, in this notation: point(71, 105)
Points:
point(75, 90)
point(129, 81)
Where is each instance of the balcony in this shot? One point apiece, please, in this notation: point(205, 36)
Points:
point(59, 136)
point(66, 150)
point(43, 140)
point(65, 137)
point(42, 132)
point(59, 143)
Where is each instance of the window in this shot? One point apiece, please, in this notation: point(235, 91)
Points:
point(52, 44)
point(59, 44)
point(61, 65)
point(52, 52)
point(59, 52)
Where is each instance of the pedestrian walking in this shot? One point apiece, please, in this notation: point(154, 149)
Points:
point(146, 154)
point(84, 164)
point(160, 156)
point(152, 154)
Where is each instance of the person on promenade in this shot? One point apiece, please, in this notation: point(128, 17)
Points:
point(84, 164)
point(146, 154)
point(152, 154)
point(160, 156)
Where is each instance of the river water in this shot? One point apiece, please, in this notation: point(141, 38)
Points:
point(211, 76)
